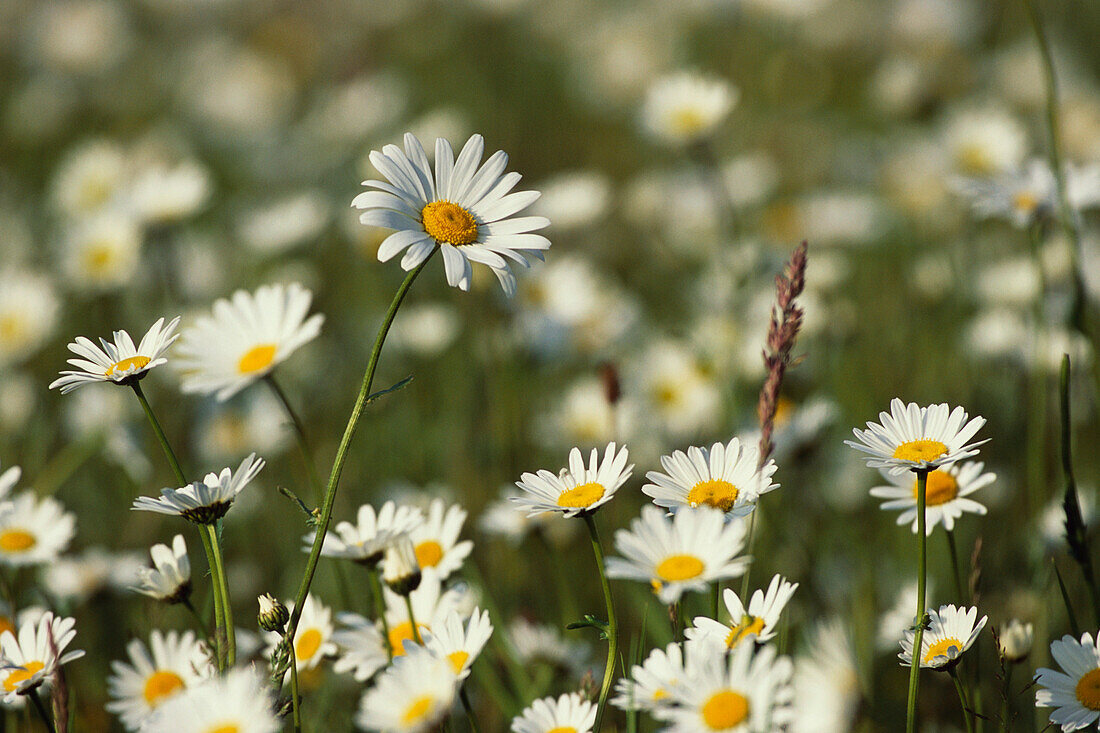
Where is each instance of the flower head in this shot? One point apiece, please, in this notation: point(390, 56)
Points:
point(649, 683)
point(206, 501)
point(118, 361)
point(240, 702)
point(169, 579)
point(411, 696)
point(30, 659)
point(171, 663)
point(460, 644)
point(33, 530)
point(1014, 641)
point(950, 632)
point(435, 540)
point(1074, 690)
point(946, 494)
point(725, 477)
point(313, 637)
point(686, 107)
point(915, 438)
point(367, 539)
point(757, 622)
point(575, 490)
point(570, 712)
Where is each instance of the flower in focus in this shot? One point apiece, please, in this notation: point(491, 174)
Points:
point(436, 539)
point(459, 644)
point(431, 607)
point(1074, 690)
point(758, 621)
point(649, 683)
point(33, 530)
point(30, 659)
point(366, 540)
point(918, 438)
point(120, 362)
point(724, 477)
point(169, 579)
point(1014, 641)
point(570, 712)
point(245, 338)
point(170, 664)
point(411, 696)
point(685, 552)
point(465, 209)
point(950, 632)
point(686, 107)
point(576, 489)
point(239, 702)
point(313, 637)
point(946, 494)
point(206, 501)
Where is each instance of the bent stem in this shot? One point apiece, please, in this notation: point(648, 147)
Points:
point(922, 576)
point(612, 623)
point(962, 699)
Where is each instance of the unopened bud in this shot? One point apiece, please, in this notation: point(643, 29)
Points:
point(400, 569)
point(1015, 641)
point(273, 614)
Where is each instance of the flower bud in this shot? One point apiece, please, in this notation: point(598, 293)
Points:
point(273, 614)
point(400, 569)
point(1015, 641)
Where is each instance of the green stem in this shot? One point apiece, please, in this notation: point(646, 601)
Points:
point(227, 606)
point(922, 576)
point(612, 622)
point(198, 617)
point(1076, 531)
point(378, 601)
point(412, 620)
point(42, 712)
point(717, 598)
point(159, 432)
point(300, 434)
point(469, 709)
point(1005, 694)
point(748, 551)
point(295, 692)
point(967, 714)
point(959, 587)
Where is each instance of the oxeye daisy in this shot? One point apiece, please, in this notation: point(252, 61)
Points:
point(951, 631)
point(411, 696)
point(758, 621)
point(914, 438)
point(30, 659)
point(170, 664)
point(685, 107)
point(366, 540)
point(361, 647)
point(169, 579)
point(431, 606)
point(649, 683)
point(826, 682)
point(245, 338)
point(239, 702)
point(33, 530)
point(313, 639)
point(206, 501)
point(436, 539)
point(118, 361)
point(725, 477)
point(570, 713)
point(464, 208)
point(575, 490)
point(460, 644)
point(742, 691)
point(945, 494)
point(681, 553)
point(1073, 691)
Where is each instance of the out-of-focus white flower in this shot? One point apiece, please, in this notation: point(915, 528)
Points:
point(674, 390)
point(358, 108)
point(367, 539)
point(985, 141)
point(235, 91)
point(240, 702)
point(254, 420)
point(1014, 641)
point(90, 178)
point(545, 644)
point(685, 107)
point(28, 314)
point(285, 223)
point(163, 194)
point(85, 37)
point(827, 689)
point(34, 531)
point(574, 199)
point(947, 492)
point(32, 657)
point(570, 712)
point(102, 252)
point(435, 540)
point(750, 179)
point(461, 644)
point(899, 617)
point(411, 696)
point(425, 329)
point(431, 607)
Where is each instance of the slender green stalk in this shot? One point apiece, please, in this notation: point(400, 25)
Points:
point(300, 434)
point(227, 607)
point(922, 577)
point(161, 437)
point(203, 627)
point(1070, 615)
point(378, 601)
point(967, 713)
point(412, 620)
point(42, 712)
point(1076, 531)
point(295, 691)
point(960, 589)
point(748, 551)
point(717, 597)
point(1005, 696)
point(612, 622)
point(469, 709)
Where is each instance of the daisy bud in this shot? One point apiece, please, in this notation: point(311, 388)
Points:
point(273, 614)
point(400, 569)
point(1014, 642)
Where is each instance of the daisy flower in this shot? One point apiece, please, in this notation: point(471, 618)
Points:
point(28, 313)
point(685, 552)
point(313, 638)
point(431, 607)
point(649, 682)
point(411, 696)
point(170, 664)
point(240, 702)
point(743, 691)
point(826, 682)
point(361, 647)
point(465, 210)
point(1014, 641)
point(30, 659)
point(366, 540)
point(758, 620)
point(1073, 691)
point(436, 539)
point(725, 477)
point(119, 362)
point(206, 501)
point(685, 107)
point(34, 531)
point(575, 490)
point(918, 438)
point(247, 336)
point(946, 494)
point(460, 644)
point(169, 579)
point(950, 633)
point(570, 712)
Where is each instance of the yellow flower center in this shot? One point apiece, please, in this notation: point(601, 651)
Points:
point(458, 660)
point(421, 708)
point(581, 496)
point(725, 709)
point(17, 540)
point(228, 728)
point(920, 450)
point(666, 394)
point(17, 676)
point(974, 158)
point(940, 489)
point(402, 632)
point(429, 553)
point(749, 626)
point(134, 362)
point(563, 729)
point(257, 358)
point(161, 684)
point(1088, 690)
point(309, 641)
point(941, 647)
point(98, 258)
point(660, 693)
point(12, 328)
point(680, 567)
point(1025, 201)
point(716, 492)
point(450, 223)
point(687, 121)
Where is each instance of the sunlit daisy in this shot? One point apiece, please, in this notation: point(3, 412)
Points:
point(758, 621)
point(951, 631)
point(649, 683)
point(206, 501)
point(361, 647)
point(313, 639)
point(681, 553)
point(915, 438)
point(458, 643)
point(436, 539)
point(464, 208)
point(120, 362)
point(170, 664)
point(411, 696)
point(366, 540)
point(945, 494)
point(686, 107)
point(239, 702)
point(725, 477)
point(576, 489)
point(30, 659)
point(1074, 691)
point(169, 579)
point(245, 338)
point(33, 530)
point(570, 713)
point(431, 607)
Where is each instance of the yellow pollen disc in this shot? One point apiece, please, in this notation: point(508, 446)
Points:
point(429, 553)
point(98, 258)
point(420, 709)
point(749, 626)
point(666, 395)
point(687, 121)
point(309, 641)
point(563, 729)
point(941, 647)
point(450, 223)
point(725, 709)
point(975, 159)
point(257, 358)
point(12, 681)
point(1088, 690)
point(660, 694)
point(402, 632)
point(940, 489)
point(920, 450)
point(680, 567)
point(161, 684)
point(136, 362)
point(716, 492)
point(12, 328)
point(1025, 201)
point(17, 540)
point(230, 728)
point(581, 496)
point(458, 660)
